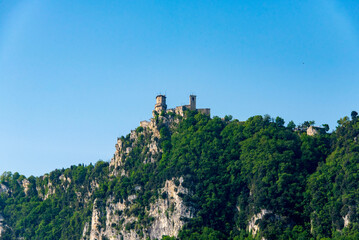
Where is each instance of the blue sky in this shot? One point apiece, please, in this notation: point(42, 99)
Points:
point(75, 75)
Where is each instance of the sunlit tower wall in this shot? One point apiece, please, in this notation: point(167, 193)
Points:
point(192, 102)
point(160, 103)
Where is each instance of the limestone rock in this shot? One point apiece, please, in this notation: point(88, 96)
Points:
point(169, 212)
point(253, 222)
point(25, 184)
point(50, 190)
point(346, 220)
point(168, 215)
point(4, 188)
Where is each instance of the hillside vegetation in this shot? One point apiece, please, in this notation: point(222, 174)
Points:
point(206, 178)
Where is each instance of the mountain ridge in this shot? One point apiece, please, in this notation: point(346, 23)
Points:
point(190, 176)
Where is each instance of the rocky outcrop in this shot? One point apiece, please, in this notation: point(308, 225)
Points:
point(148, 130)
point(128, 217)
point(254, 221)
point(350, 212)
point(168, 214)
point(25, 184)
point(50, 190)
point(86, 231)
point(346, 220)
point(95, 222)
point(123, 149)
point(65, 179)
point(3, 188)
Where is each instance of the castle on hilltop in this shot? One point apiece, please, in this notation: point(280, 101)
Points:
point(161, 106)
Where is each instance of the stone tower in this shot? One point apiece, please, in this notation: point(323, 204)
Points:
point(192, 102)
point(160, 103)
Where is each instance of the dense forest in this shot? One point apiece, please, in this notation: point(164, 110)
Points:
point(253, 179)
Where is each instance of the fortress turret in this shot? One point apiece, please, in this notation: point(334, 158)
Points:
point(160, 103)
point(192, 102)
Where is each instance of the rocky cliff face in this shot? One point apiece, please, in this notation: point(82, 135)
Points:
point(166, 215)
point(113, 217)
point(253, 225)
point(169, 212)
point(164, 179)
point(149, 130)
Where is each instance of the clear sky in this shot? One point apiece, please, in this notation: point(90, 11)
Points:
point(75, 75)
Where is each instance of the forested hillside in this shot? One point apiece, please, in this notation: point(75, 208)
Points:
point(196, 177)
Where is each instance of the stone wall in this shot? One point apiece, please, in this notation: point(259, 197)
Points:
point(180, 109)
point(206, 111)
